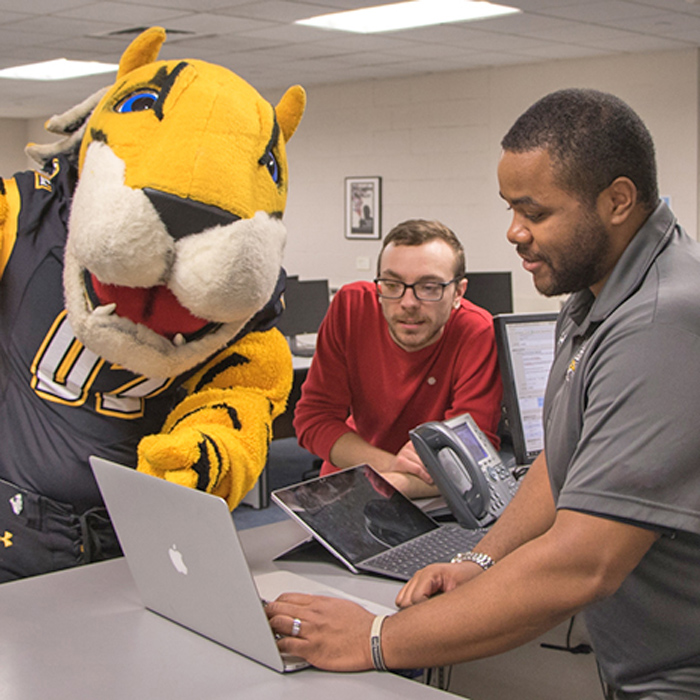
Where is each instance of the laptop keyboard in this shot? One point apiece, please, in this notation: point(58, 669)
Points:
point(438, 545)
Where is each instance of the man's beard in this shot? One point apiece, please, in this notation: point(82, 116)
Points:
point(428, 333)
point(583, 260)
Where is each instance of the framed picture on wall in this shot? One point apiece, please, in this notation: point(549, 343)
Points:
point(363, 207)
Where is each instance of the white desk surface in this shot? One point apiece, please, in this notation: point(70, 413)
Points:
point(83, 633)
point(300, 362)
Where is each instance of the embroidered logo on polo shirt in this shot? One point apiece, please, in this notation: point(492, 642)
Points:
point(575, 360)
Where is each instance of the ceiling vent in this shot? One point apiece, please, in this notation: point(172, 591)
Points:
point(130, 32)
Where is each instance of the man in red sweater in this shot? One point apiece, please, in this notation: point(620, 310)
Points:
point(398, 352)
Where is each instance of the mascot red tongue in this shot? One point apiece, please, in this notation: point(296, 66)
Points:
point(140, 279)
point(156, 308)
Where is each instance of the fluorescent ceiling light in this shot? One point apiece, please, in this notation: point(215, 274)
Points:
point(407, 15)
point(59, 69)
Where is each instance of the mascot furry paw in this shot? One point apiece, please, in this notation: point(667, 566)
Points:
point(140, 280)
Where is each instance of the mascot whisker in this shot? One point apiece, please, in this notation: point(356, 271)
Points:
point(140, 281)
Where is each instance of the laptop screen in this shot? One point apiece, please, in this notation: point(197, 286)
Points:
point(356, 511)
point(525, 354)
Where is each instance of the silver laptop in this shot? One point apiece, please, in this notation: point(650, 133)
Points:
point(187, 562)
point(370, 526)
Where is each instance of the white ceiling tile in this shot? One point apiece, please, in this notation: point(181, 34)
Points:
point(40, 7)
point(277, 10)
point(119, 12)
point(259, 37)
point(687, 6)
point(660, 24)
point(599, 12)
point(208, 23)
point(550, 52)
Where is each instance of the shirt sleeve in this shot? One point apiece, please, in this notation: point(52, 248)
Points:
point(637, 457)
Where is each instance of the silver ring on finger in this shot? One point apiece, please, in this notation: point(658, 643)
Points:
point(296, 627)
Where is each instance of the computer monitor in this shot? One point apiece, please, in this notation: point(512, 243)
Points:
point(525, 353)
point(492, 291)
point(306, 303)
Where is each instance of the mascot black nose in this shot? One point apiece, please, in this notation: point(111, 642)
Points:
point(185, 216)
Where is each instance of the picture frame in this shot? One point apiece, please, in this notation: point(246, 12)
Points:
point(363, 208)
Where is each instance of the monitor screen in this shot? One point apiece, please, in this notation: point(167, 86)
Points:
point(525, 352)
point(305, 305)
point(492, 291)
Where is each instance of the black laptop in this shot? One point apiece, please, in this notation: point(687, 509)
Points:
point(370, 526)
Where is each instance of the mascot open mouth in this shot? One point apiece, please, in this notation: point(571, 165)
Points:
point(184, 299)
point(157, 308)
point(164, 267)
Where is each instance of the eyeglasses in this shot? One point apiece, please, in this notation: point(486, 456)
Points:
point(423, 291)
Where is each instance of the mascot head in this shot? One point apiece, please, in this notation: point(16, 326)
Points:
point(175, 238)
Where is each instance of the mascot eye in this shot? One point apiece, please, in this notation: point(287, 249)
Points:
point(138, 101)
point(270, 162)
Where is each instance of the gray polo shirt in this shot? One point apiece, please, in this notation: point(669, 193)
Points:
point(622, 439)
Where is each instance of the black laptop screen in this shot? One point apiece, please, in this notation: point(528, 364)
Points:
point(356, 511)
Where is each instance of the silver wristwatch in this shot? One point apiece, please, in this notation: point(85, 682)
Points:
point(483, 560)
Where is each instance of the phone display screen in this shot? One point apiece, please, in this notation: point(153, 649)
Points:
point(472, 443)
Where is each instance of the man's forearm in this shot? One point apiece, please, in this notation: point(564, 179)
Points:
point(528, 515)
point(411, 486)
point(579, 560)
point(350, 449)
point(480, 618)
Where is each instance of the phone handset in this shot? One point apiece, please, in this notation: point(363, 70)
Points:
point(466, 469)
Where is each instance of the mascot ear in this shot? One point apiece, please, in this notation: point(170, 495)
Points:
point(290, 109)
point(142, 50)
point(71, 124)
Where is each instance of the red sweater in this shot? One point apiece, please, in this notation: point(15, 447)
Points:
point(361, 380)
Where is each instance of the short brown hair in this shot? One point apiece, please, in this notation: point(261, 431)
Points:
point(419, 231)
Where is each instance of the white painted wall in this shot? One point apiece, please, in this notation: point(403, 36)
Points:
point(434, 141)
point(15, 134)
point(13, 138)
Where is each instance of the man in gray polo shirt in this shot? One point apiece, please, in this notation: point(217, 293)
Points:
point(609, 520)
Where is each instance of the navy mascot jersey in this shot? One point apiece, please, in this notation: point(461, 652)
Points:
point(60, 402)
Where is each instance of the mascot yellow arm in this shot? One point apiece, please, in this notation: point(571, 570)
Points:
point(216, 439)
point(9, 208)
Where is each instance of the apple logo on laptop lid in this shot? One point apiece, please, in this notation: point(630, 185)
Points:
point(177, 560)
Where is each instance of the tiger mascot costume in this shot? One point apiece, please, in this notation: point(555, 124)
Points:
point(140, 281)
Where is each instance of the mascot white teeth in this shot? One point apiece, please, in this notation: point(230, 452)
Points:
point(140, 280)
